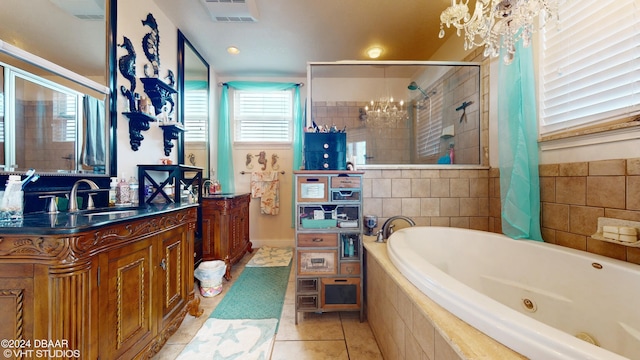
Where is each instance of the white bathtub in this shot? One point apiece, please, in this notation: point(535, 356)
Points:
point(485, 279)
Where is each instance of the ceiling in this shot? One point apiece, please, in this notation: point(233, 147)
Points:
point(290, 33)
point(287, 35)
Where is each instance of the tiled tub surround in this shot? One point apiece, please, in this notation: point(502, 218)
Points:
point(409, 325)
point(573, 196)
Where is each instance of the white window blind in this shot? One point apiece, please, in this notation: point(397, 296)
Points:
point(263, 116)
point(65, 111)
point(195, 115)
point(590, 64)
point(429, 125)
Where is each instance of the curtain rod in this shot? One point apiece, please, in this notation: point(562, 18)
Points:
point(221, 84)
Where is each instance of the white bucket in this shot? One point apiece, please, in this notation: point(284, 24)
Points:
point(210, 274)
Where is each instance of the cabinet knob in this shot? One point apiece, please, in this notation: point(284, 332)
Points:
point(326, 146)
point(163, 264)
point(326, 156)
point(317, 239)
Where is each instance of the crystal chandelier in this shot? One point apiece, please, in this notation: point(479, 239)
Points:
point(496, 23)
point(385, 111)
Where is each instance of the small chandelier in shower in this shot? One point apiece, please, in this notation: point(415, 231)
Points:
point(385, 111)
point(497, 23)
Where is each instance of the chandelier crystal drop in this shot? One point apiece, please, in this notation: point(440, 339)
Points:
point(497, 24)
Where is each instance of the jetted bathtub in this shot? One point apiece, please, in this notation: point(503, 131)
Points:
point(541, 300)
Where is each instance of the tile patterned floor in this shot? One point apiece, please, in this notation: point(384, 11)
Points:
point(331, 336)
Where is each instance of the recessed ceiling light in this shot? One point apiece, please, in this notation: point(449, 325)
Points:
point(374, 52)
point(233, 50)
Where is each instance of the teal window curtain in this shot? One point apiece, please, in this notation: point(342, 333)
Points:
point(225, 159)
point(518, 147)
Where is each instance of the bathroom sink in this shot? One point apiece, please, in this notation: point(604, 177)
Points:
point(115, 211)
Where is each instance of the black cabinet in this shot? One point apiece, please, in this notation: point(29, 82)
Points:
point(325, 151)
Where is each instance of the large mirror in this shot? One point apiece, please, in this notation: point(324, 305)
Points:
point(54, 110)
point(193, 106)
point(400, 113)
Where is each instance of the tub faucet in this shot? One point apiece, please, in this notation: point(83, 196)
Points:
point(73, 200)
point(387, 227)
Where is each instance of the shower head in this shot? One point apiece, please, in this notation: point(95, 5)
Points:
point(414, 86)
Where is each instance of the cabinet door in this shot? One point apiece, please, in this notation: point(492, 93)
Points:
point(172, 275)
point(126, 321)
point(17, 310)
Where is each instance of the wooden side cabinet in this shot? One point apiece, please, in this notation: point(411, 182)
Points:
point(225, 228)
point(116, 291)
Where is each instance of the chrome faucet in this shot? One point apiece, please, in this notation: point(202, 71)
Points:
point(387, 228)
point(73, 200)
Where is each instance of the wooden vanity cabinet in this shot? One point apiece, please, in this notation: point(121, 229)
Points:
point(225, 228)
point(118, 291)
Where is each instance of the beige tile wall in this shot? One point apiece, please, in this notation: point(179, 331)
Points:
point(574, 195)
point(458, 198)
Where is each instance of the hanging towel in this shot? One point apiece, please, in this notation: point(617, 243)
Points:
point(266, 186)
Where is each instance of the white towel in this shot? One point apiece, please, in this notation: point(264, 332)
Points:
point(266, 186)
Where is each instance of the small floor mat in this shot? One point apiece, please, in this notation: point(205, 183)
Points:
point(220, 339)
point(271, 256)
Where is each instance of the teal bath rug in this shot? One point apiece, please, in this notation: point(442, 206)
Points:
point(221, 339)
point(258, 293)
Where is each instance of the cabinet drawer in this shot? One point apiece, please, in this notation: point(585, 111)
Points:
point(307, 302)
point(317, 262)
point(307, 285)
point(313, 189)
point(350, 268)
point(345, 182)
point(318, 240)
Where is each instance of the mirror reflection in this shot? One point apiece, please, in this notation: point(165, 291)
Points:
point(193, 80)
point(400, 113)
point(52, 123)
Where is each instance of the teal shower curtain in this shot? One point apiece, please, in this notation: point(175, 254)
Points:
point(225, 159)
point(518, 147)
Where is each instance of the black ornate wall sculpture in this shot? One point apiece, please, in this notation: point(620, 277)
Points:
point(170, 132)
point(151, 46)
point(159, 92)
point(127, 66)
point(138, 122)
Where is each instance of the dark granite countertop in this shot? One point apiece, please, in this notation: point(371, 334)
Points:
point(70, 223)
point(223, 195)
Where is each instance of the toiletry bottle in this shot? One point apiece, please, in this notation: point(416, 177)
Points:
point(215, 187)
point(451, 153)
point(351, 248)
point(133, 191)
point(112, 191)
point(122, 192)
point(12, 203)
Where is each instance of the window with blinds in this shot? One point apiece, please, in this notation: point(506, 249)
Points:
point(263, 116)
point(429, 126)
point(195, 115)
point(65, 109)
point(590, 64)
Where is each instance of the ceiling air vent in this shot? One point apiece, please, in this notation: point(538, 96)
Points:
point(239, 11)
point(82, 9)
